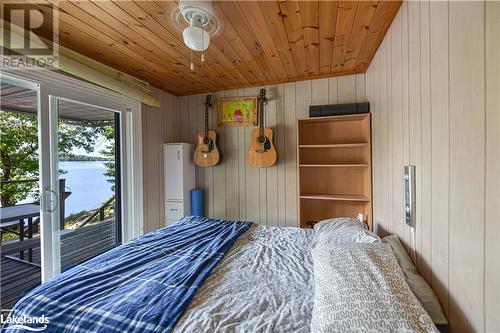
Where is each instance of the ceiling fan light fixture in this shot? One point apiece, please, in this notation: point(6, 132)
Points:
point(196, 38)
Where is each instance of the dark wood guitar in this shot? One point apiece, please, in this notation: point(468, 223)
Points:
point(207, 151)
point(262, 153)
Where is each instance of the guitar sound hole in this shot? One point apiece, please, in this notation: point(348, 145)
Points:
point(206, 140)
point(261, 139)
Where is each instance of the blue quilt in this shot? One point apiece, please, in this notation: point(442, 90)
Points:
point(142, 286)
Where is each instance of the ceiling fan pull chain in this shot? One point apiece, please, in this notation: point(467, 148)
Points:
point(202, 43)
point(191, 66)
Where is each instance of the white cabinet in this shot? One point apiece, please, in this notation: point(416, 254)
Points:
point(179, 180)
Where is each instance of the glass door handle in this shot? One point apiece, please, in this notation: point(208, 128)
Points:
point(47, 197)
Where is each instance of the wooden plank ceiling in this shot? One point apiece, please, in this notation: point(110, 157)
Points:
point(261, 42)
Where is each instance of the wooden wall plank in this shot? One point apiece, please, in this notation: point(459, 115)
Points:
point(425, 78)
point(383, 139)
point(492, 214)
point(360, 88)
point(271, 180)
point(231, 164)
point(252, 184)
point(414, 96)
point(199, 111)
point(440, 155)
point(396, 95)
point(209, 172)
point(389, 196)
point(467, 165)
point(280, 137)
point(242, 166)
point(162, 114)
point(376, 146)
point(320, 91)
point(290, 150)
point(406, 108)
point(184, 118)
point(333, 92)
point(346, 89)
point(219, 182)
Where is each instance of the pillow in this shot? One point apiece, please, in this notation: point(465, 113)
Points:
point(360, 288)
point(417, 284)
point(341, 231)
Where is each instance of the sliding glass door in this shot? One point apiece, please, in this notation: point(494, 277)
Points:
point(86, 176)
point(71, 176)
point(20, 251)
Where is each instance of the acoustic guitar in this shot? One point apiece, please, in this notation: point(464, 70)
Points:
point(262, 153)
point(207, 151)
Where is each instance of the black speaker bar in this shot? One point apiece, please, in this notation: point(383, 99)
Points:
point(338, 109)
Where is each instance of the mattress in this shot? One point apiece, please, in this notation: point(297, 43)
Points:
point(263, 284)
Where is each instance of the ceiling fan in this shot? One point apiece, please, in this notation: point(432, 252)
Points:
point(202, 24)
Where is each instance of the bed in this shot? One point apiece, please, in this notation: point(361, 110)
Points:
point(203, 275)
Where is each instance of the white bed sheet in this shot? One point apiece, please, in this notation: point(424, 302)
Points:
point(263, 284)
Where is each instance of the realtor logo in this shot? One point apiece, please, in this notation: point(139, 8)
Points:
point(23, 322)
point(29, 35)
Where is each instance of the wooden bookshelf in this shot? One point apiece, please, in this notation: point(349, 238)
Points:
point(334, 164)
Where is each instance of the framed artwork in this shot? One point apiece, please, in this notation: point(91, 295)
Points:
point(238, 111)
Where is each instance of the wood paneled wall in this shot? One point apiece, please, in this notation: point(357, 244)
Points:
point(234, 189)
point(158, 126)
point(434, 88)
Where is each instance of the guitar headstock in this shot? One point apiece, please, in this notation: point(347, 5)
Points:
point(262, 95)
point(208, 101)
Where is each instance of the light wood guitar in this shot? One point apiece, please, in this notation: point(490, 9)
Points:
point(207, 151)
point(262, 153)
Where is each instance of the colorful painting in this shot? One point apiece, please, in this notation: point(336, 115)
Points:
point(238, 111)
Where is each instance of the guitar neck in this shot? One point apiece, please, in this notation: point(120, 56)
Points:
point(261, 118)
point(206, 120)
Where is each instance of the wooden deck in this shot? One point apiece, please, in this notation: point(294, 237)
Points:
point(76, 246)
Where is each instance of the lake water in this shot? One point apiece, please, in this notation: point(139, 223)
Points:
point(87, 183)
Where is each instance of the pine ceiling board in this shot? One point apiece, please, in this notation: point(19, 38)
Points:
point(258, 25)
point(291, 17)
point(272, 14)
point(71, 29)
point(82, 19)
point(70, 26)
point(238, 21)
point(221, 52)
point(230, 36)
point(168, 45)
point(145, 21)
point(89, 10)
point(362, 22)
point(214, 57)
point(384, 15)
point(327, 25)
point(346, 14)
point(260, 43)
point(310, 29)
